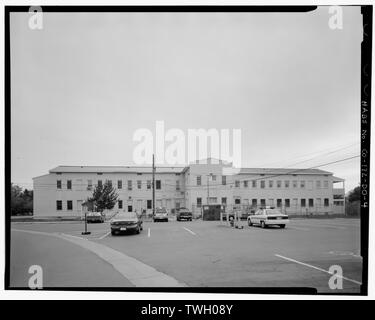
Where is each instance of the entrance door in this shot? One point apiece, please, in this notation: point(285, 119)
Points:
point(139, 206)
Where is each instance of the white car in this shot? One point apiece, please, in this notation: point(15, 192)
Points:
point(161, 214)
point(268, 217)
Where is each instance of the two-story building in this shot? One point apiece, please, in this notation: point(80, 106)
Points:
point(62, 191)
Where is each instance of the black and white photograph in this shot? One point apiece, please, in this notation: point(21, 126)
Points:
point(188, 149)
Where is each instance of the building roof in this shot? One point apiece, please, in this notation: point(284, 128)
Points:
point(164, 169)
point(115, 169)
point(283, 171)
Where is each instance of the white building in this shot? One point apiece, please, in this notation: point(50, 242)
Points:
point(62, 191)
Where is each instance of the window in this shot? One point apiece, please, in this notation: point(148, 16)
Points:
point(318, 184)
point(254, 183)
point(295, 184)
point(262, 184)
point(130, 208)
point(237, 201)
point(130, 186)
point(270, 184)
point(254, 202)
point(120, 204)
point(270, 202)
point(58, 205)
point(279, 203)
point(100, 183)
point(69, 184)
point(199, 202)
point(58, 184)
point(303, 184)
point(149, 204)
point(199, 180)
point(294, 202)
point(139, 184)
point(99, 173)
point(311, 203)
point(148, 184)
point(246, 184)
point(212, 200)
point(213, 177)
point(326, 202)
point(286, 183)
point(89, 184)
point(237, 183)
point(278, 183)
point(119, 184)
point(177, 185)
point(224, 201)
point(303, 203)
point(223, 180)
point(158, 184)
point(325, 186)
point(69, 205)
point(109, 183)
point(262, 202)
point(287, 203)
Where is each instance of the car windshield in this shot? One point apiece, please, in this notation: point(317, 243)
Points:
point(272, 211)
point(161, 211)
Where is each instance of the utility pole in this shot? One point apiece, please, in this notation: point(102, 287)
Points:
point(208, 187)
point(153, 185)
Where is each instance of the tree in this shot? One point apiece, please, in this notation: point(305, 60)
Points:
point(104, 197)
point(355, 194)
point(21, 200)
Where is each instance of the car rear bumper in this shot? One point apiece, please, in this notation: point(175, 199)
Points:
point(185, 217)
point(124, 227)
point(276, 221)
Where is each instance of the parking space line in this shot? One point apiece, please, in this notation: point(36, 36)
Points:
point(103, 236)
point(298, 228)
point(188, 230)
point(149, 232)
point(317, 268)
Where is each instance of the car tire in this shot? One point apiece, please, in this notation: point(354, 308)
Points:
point(113, 233)
point(249, 223)
point(282, 226)
point(262, 224)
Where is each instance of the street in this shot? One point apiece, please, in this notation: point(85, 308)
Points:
point(189, 254)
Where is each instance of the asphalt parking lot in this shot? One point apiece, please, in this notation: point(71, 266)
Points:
point(189, 254)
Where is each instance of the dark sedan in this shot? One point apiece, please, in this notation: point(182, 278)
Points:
point(184, 214)
point(126, 222)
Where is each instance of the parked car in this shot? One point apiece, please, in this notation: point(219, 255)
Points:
point(184, 214)
point(126, 222)
point(267, 217)
point(95, 217)
point(161, 214)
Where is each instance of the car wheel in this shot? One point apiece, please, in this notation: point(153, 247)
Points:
point(282, 226)
point(113, 233)
point(262, 224)
point(249, 222)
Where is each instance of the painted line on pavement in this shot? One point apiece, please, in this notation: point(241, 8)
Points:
point(317, 268)
point(137, 272)
point(103, 236)
point(188, 230)
point(298, 228)
point(149, 233)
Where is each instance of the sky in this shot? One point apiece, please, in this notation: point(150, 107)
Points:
point(82, 85)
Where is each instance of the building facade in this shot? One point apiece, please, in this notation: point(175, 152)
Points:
point(62, 191)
